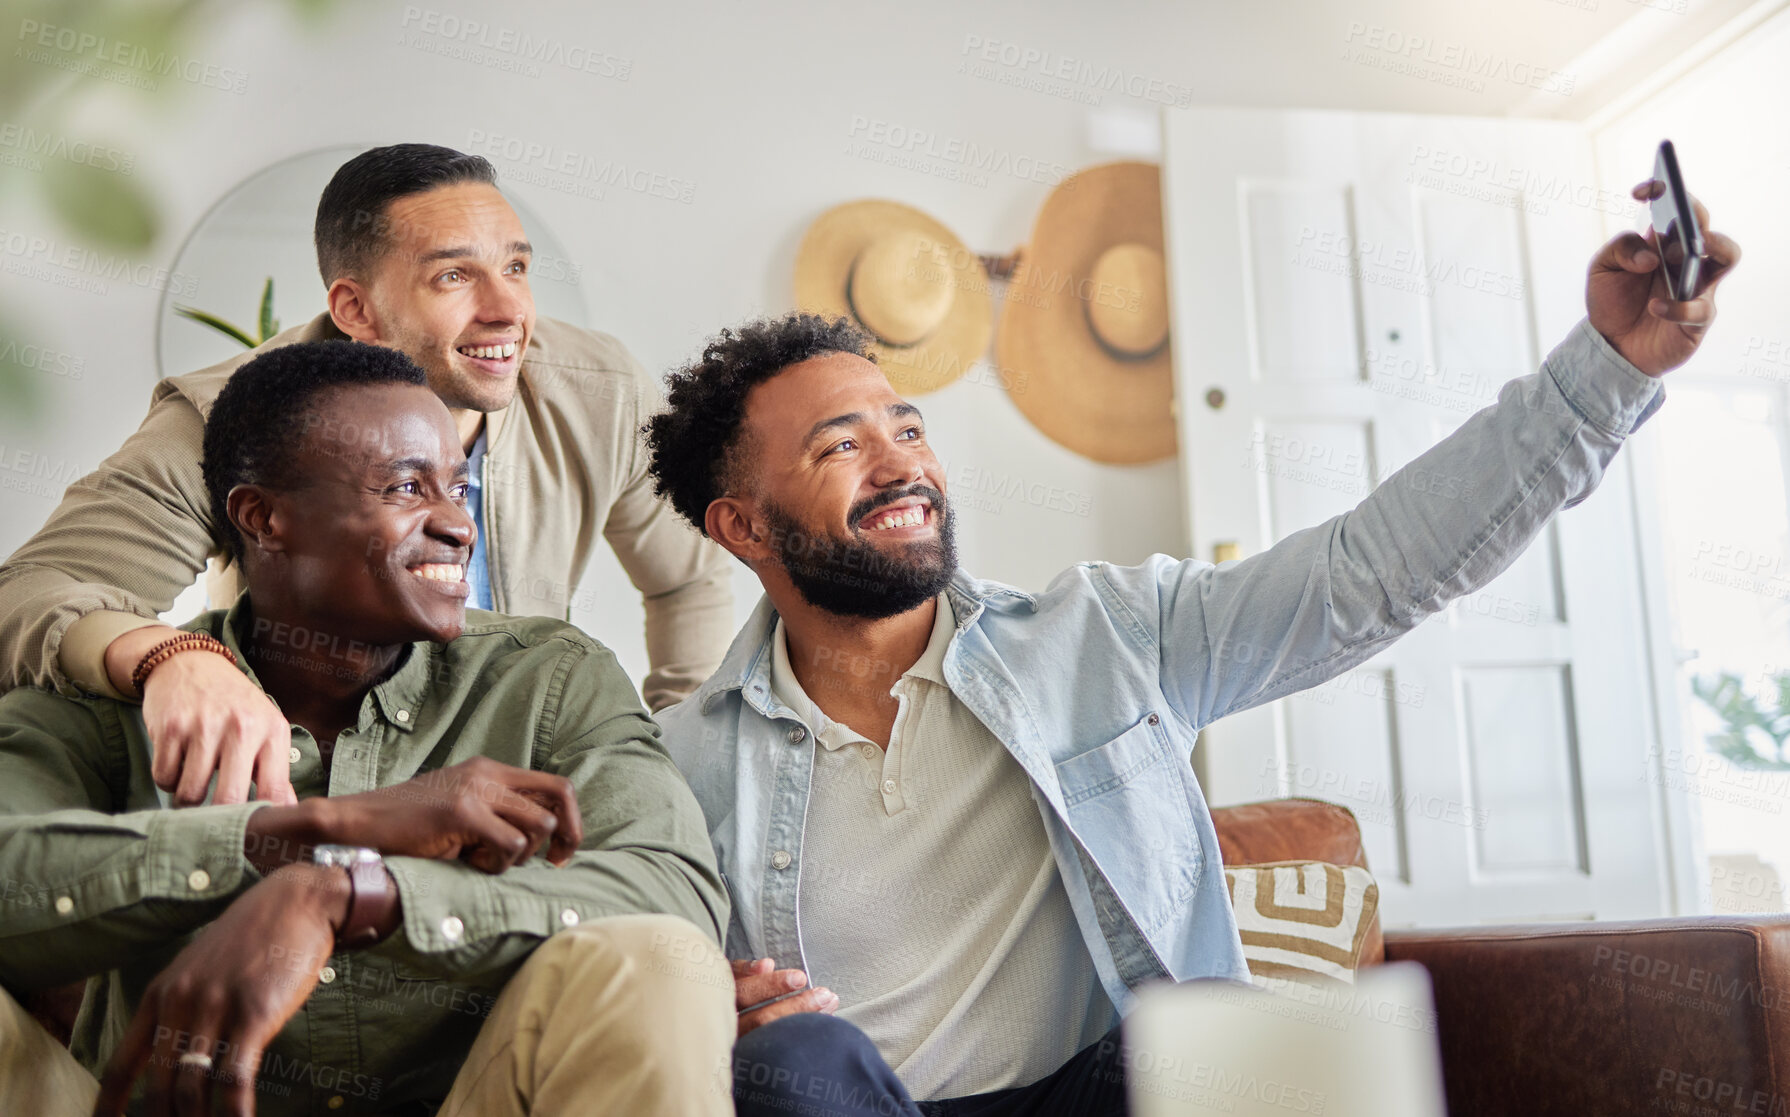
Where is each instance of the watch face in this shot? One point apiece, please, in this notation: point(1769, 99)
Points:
point(345, 857)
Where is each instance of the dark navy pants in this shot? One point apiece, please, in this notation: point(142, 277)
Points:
point(815, 1065)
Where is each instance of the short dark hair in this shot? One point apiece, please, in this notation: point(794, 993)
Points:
point(352, 230)
point(694, 443)
point(253, 432)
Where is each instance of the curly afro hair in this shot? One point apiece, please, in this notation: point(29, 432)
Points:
point(251, 435)
point(694, 441)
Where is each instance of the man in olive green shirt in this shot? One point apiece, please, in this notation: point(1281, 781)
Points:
point(529, 922)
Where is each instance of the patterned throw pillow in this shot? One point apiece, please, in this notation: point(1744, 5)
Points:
point(1302, 921)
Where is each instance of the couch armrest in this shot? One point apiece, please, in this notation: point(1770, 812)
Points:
point(1662, 1016)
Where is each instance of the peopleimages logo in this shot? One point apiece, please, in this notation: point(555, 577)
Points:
point(84, 269)
point(581, 173)
point(28, 142)
point(23, 354)
point(1476, 176)
point(922, 149)
point(1400, 267)
point(84, 52)
point(1446, 63)
point(33, 473)
point(472, 40)
point(1061, 75)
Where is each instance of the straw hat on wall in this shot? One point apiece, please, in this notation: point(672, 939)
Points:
point(905, 278)
point(1085, 325)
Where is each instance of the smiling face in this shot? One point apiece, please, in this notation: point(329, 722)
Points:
point(452, 292)
point(849, 494)
point(373, 544)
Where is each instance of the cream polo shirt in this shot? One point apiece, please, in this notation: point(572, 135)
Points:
point(928, 898)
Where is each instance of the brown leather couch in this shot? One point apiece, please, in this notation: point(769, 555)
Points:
point(1661, 1016)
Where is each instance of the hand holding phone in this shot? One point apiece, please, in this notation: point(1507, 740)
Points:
point(1653, 297)
point(1680, 239)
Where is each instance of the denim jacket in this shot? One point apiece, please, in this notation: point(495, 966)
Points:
point(1098, 685)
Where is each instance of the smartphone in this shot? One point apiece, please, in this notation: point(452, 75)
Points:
point(1675, 225)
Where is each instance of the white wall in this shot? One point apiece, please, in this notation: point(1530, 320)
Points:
point(768, 112)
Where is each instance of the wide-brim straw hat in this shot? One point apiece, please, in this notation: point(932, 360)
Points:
point(906, 279)
point(1085, 326)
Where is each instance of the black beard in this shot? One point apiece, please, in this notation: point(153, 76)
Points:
point(855, 578)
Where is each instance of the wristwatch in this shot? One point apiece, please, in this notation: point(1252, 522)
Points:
point(370, 893)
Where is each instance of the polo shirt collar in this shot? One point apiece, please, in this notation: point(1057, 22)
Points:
point(831, 734)
point(931, 664)
point(747, 665)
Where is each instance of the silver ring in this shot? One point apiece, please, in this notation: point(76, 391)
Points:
point(196, 1059)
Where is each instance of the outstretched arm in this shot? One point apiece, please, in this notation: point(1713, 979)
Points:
point(1329, 597)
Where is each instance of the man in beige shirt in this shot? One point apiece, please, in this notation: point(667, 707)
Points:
point(421, 253)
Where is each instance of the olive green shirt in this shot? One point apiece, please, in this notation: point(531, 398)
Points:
point(100, 878)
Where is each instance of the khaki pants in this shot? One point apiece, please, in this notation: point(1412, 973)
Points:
point(632, 1014)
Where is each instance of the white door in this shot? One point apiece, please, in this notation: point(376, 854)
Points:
point(1347, 289)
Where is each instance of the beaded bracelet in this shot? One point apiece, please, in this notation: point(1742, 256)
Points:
point(173, 646)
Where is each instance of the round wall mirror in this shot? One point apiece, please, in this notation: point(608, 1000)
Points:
point(262, 229)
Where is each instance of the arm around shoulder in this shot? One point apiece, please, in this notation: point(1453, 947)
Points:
point(126, 539)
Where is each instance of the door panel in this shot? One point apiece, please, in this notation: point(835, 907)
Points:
point(1522, 769)
point(1304, 308)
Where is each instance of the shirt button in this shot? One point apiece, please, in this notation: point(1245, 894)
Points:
point(403, 715)
point(869, 752)
point(1153, 719)
point(64, 905)
point(337, 1102)
point(452, 928)
point(328, 975)
point(888, 787)
point(796, 733)
point(198, 880)
point(293, 756)
point(780, 859)
point(569, 918)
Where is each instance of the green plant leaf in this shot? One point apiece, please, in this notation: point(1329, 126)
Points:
point(1745, 720)
point(269, 324)
point(216, 323)
point(107, 208)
